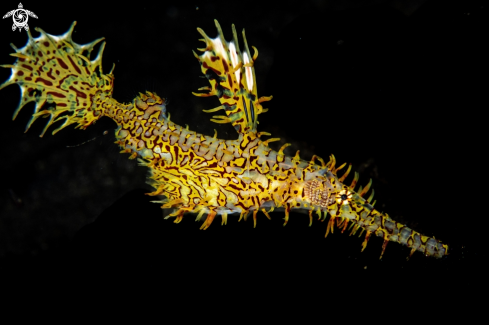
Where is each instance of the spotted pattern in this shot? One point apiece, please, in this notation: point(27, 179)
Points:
point(196, 173)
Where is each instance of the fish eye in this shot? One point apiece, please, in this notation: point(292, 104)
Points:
point(343, 197)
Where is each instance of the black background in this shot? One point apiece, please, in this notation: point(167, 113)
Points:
point(396, 88)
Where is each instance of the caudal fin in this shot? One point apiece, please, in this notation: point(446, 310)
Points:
point(58, 75)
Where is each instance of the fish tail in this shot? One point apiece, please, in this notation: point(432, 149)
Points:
point(57, 74)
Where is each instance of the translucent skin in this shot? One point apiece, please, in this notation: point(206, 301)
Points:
point(194, 172)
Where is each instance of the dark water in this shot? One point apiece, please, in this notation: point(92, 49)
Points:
point(394, 88)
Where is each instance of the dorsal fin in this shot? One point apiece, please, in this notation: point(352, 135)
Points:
point(232, 78)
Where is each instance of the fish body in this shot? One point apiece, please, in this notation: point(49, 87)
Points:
point(197, 173)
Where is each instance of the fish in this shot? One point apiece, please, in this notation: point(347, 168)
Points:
point(193, 173)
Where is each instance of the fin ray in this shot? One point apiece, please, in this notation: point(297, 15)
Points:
point(232, 77)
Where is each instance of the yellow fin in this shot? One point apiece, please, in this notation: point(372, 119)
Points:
point(69, 82)
point(232, 77)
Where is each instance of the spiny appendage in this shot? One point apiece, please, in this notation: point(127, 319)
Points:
point(188, 174)
point(188, 188)
point(231, 74)
point(347, 205)
point(180, 208)
point(56, 73)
